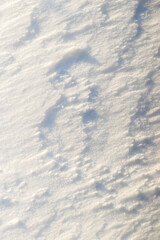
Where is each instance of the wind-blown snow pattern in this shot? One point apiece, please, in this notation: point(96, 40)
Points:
point(80, 120)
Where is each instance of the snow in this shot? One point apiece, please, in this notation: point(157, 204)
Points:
point(80, 120)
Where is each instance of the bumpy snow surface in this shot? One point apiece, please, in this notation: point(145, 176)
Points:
point(79, 120)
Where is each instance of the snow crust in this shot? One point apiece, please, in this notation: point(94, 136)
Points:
point(80, 120)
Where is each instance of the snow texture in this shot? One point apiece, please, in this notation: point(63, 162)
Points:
point(80, 120)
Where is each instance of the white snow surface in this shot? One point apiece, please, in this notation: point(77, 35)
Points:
point(80, 120)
